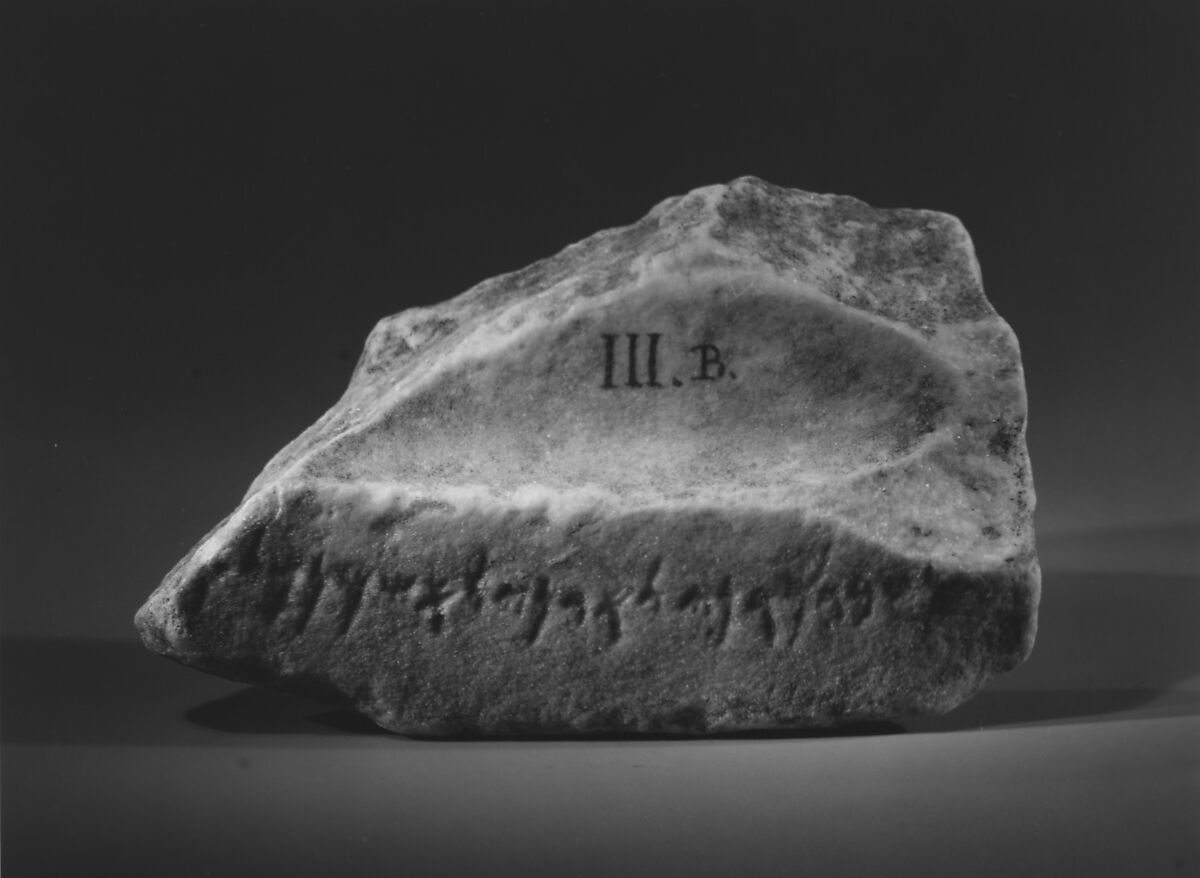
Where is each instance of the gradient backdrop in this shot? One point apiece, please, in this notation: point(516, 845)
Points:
point(207, 205)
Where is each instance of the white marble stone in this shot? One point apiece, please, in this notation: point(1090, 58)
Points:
point(755, 461)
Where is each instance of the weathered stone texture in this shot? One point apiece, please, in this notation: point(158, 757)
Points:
point(755, 461)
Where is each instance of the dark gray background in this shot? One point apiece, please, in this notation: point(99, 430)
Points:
point(207, 205)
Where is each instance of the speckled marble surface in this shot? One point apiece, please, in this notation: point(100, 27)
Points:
point(755, 461)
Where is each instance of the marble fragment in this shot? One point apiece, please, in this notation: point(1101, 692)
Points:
point(755, 461)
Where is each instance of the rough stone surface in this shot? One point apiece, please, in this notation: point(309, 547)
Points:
point(756, 461)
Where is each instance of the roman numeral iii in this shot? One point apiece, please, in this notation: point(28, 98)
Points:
point(631, 360)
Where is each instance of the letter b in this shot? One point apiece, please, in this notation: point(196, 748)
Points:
point(710, 358)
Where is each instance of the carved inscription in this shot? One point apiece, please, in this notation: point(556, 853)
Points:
point(625, 357)
point(774, 614)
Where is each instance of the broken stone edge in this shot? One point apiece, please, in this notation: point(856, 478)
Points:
point(505, 636)
point(172, 621)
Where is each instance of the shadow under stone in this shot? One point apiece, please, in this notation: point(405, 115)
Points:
point(258, 711)
point(262, 711)
point(1014, 707)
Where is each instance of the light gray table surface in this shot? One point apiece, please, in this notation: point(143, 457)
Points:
point(1084, 761)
